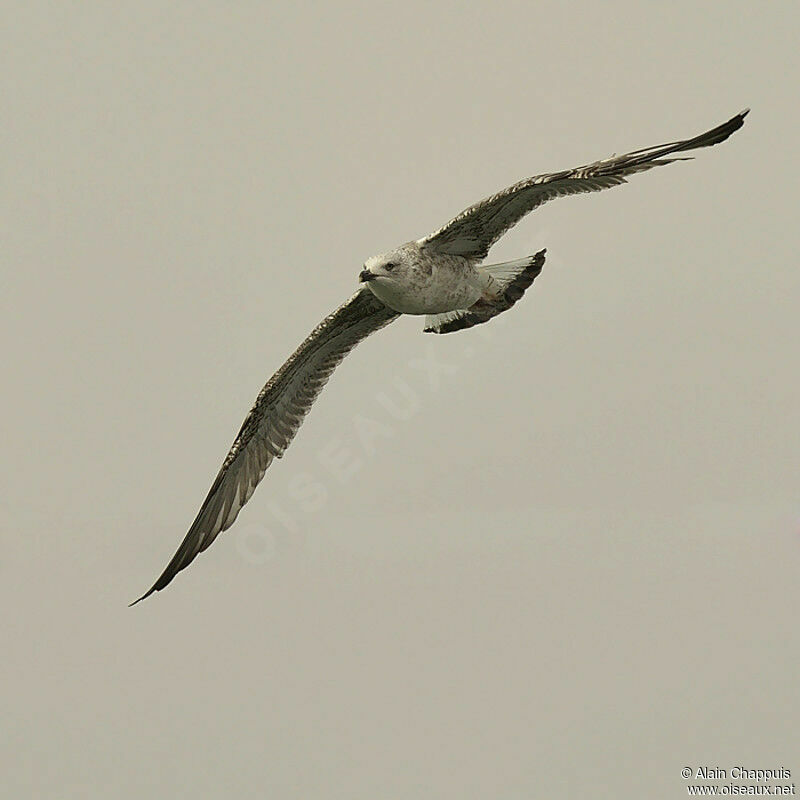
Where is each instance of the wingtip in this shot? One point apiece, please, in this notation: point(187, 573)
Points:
point(737, 122)
point(143, 597)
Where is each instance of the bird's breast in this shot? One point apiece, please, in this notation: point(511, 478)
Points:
point(432, 293)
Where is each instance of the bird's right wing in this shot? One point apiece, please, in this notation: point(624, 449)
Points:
point(476, 229)
point(273, 421)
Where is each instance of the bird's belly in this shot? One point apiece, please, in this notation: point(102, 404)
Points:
point(450, 285)
point(434, 298)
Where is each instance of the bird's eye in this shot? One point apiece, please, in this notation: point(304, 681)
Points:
point(390, 266)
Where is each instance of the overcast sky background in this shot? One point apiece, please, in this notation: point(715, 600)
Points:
point(561, 562)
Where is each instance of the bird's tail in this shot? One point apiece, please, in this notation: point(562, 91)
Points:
point(510, 280)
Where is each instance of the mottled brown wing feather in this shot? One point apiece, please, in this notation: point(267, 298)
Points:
point(273, 421)
point(476, 229)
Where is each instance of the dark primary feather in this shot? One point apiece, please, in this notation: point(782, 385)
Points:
point(273, 421)
point(476, 229)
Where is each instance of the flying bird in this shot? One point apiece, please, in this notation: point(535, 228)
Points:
point(440, 276)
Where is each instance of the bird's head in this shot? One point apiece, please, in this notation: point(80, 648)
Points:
point(387, 268)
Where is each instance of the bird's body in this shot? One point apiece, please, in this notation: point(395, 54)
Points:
point(432, 283)
point(441, 276)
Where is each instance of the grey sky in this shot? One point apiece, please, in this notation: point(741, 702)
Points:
point(554, 557)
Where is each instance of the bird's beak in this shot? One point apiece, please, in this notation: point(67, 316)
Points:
point(365, 275)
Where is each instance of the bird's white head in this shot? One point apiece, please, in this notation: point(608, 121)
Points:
point(399, 278)
point(387, 268)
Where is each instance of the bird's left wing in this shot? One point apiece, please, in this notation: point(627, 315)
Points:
point(476, 229)
point(273, 421)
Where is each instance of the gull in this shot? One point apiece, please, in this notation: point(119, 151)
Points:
point(440, 276)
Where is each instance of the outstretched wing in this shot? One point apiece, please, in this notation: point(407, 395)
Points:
point(273, 421)
point(476, 229)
